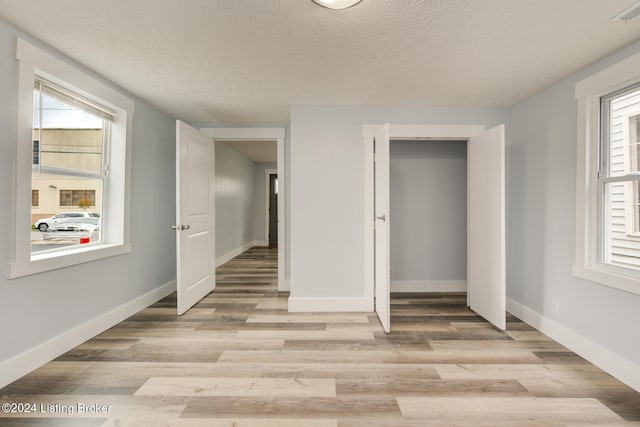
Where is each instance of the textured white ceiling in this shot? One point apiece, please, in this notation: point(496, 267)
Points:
point(249, 60)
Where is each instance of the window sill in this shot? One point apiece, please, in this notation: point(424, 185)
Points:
point(77, 255)
point(607, 278)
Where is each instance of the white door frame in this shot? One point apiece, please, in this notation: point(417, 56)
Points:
point(267, 135)
point(267, 202)
point(405, 132)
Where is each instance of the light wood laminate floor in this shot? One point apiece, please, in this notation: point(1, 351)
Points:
point(238, 358)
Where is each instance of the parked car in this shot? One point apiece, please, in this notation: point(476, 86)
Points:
point(76, 224)
point(44, 223)
point(74, 230)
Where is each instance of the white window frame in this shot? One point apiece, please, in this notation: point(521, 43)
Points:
point(33, 62)
point(588, 93)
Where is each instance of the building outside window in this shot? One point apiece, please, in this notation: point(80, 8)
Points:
point(78, 198)
point(36, 152)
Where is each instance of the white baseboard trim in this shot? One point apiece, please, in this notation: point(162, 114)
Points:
point(260, 243)
point(619, 367)
point(428, 286)
point(302, 305)
point(235, 252)
point(22, 364)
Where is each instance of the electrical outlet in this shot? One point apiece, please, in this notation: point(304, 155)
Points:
point(555, 306)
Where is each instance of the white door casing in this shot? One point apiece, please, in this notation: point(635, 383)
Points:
point(486, 242)
point(195, 229)
point(382, 251)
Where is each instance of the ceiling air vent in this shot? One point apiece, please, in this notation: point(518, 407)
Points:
point(629, 14)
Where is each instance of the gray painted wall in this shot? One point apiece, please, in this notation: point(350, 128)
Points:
point(428, 210)
point(541, 156)
point(37, 308)
point(235, 176)
point(260, 199)
point(327, 185)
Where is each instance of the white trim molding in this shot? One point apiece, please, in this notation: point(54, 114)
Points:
point(617, 366)
point(264, 134)
point(428, 286)
point(305, 305)
point(22, 364)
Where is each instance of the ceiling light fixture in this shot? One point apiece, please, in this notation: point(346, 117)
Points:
point(336, 4)
point(629, 14)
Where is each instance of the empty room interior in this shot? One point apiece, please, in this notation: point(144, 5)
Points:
point(323, 213)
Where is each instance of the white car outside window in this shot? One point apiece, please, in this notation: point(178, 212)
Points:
point(45, 223)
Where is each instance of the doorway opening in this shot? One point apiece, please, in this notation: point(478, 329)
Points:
point(256, 139)
point(428, 216)
point(428, 227)
point(485, 216)
point(272, 210)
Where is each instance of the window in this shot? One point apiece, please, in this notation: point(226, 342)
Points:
point(618, 179)
point(632, 211)
point(36, 152)
point(72, 134)
point(608, 177)
point(77, 198)
point(75, 156)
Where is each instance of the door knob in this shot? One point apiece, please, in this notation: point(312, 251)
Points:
point(382, 217)
point(180, 227)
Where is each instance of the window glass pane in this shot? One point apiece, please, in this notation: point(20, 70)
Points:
point(36, 152)
point(68, 138)
point(68, 211)
point(622, 245)
point(634, 144)
point(78, 198)
point(620, 221)
point(635, 207)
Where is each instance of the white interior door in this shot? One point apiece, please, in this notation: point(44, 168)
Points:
point(195, 216)
point(382, 276)
point(486, 277)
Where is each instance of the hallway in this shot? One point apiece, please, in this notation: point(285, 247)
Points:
point(238, 358)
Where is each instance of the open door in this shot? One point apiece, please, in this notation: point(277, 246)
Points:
point(486, 276)
point(382, 277)
point(195, 216)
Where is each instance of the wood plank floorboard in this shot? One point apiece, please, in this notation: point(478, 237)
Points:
point(240, 359)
